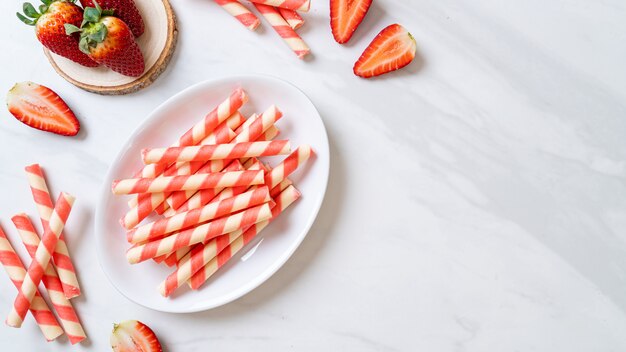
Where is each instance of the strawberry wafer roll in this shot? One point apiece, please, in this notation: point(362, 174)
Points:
point(147, 202)
point(220, 151)
point(61, 255)
point(65, 310)
point(191, 182)
point(240, 12)
point(202, 233)
point(293, 18)
point(251, 164)
point(286, 198)
point(205, 196)
point(270, 134)
point(249, 131)
point(39, 308)
point(179, 197)
point(198, 216)
point(192, 137)
point(287, 166)
point(296, 5)
point(283, 29)
point(222, 134)
point(36, 269)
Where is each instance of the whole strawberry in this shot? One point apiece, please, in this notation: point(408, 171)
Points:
point(49, 26)
point(124, 10)
point(109, 41)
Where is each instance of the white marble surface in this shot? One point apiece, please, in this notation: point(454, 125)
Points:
point(476, 202)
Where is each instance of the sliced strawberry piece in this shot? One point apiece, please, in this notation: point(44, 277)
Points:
point(345, 17)
point(134, 336)
point(393, 48)
point(41, 108)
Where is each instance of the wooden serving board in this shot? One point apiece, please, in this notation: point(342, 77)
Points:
point(157, 45)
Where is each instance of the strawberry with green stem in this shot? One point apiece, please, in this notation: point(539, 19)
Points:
point(109, 41)
point(126, 10)
point(49, 27)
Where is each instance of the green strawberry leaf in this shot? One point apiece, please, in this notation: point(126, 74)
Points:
point(83, 45)
point(29, 10)
point(91, 15)
point(71, 29)
point(108, 12)
point(28, 21)
point(43, 8)
point(47, 2)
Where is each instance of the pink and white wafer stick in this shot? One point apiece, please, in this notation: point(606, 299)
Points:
point(198, 216)
point(293, 18)
point(252, 164)
point(179, 197)
point(181, 183)
point(36, 269)
point(286, 198)
point(240, 12)
point(203, 128)
point(65, 310)
point(39, 308)
point(249, 131)
point(193, 136)
point(296, 5)
point(283, 29)
point(214, 152)
point(147, 202)
point(222, 134)
point(205, 232)
point(287, 166)
point(200, 256)
point(61, 255)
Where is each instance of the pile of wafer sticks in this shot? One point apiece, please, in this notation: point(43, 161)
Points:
point(212, 191)
point(282, 15)
point(50, 265)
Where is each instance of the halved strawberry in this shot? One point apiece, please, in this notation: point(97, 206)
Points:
point(345, 17)
point(41, 108)
point(134, 336)
point(393, 48)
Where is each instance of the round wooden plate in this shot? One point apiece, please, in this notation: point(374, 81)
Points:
point(157, 45)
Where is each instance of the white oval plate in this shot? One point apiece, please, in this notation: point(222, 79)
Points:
point(301, 123)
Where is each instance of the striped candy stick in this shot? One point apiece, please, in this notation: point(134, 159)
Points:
point(62, 305)
point(287, 166)
point(39, 308)
point(214, 196)
point(286, 198)
point(61, 256)
point(240, 12)
point(201, 256)
point(198, 216)
point(215, 152)
point(163, 184)
point(35, 271)
point(217, 136)
point(296, 5)
point(193, 136)
point(293, 18)
point(202, 233)
point(249, 131)
point(273, 17)
point(253, 163)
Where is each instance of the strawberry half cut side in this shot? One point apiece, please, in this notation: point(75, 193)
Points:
point(134, 336)
point(393, 48)
point(345, 17)
point(41, 108)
